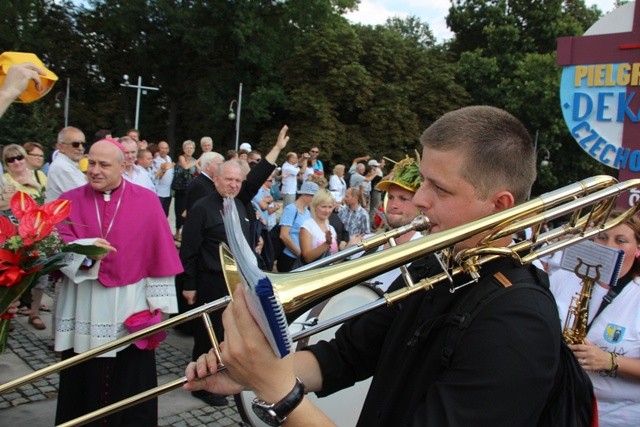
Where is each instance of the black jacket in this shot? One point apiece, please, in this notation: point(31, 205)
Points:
point(203, 229)
point(198, 188)
point(501, 373)
point(202, 234)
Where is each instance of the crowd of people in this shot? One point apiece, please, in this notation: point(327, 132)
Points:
point(475, 161)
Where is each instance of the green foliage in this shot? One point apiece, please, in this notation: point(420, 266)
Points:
point(30, 122)
point(351, 89)
point(506, 53)
point(368, 90)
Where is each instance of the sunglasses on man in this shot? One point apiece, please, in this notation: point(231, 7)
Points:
point(74, 144)
point(13, 159)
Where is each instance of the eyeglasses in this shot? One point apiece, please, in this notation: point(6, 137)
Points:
point(36, 155)
point(75, 144)
point(314, 151)
point(13, 159)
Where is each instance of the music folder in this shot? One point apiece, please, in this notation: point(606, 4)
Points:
point(263, 302)
point(593, 254)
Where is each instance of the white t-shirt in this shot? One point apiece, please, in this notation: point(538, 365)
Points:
point(337, 187)
point(64, 175)
point(318, 236)
point(140, 177)
point(616, 329)
point(163, 184)
point(289, 178)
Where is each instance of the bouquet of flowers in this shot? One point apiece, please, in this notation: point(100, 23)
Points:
point(30, 249)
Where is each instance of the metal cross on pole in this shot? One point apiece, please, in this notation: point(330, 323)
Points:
point(141, 90)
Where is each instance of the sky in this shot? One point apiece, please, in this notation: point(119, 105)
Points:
point(433, 12)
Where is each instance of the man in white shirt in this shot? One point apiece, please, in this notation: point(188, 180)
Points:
point(64, 173)
point(145, 161)
point(132, 172)
point(164, 175)
point(290, 170)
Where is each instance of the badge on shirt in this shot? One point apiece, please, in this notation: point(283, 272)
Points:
point(613, 333)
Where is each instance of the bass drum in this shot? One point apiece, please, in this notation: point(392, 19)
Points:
point(344, 406)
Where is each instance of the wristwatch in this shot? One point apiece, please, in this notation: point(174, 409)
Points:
point(274, 414)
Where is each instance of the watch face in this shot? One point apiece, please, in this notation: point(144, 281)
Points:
point(266, 414)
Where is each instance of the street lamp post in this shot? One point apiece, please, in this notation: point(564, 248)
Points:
point(544, 163)
point(66, 102)
point(233, 115)
point(141, 90)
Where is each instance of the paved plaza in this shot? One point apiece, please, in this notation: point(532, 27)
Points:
point(35, 404)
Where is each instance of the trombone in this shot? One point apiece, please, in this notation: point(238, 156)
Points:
point(588, 204)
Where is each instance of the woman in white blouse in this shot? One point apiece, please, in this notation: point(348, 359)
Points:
point(611, 352)
point(317, 237)
point(337, 184)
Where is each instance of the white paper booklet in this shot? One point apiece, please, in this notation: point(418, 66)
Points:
point(263, 302)
point(607, 260)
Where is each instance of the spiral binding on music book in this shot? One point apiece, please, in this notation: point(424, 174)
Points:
point(263, 303)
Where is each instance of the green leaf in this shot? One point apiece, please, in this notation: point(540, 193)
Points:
point(87, 250)
point(11, 293)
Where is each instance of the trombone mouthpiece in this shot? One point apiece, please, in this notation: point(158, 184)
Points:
point(421, 223)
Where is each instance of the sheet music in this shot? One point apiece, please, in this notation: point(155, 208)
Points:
point(593, 254)
point(263, 302)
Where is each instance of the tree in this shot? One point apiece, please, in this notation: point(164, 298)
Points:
point(40, 27)
point(506, 51)
point(358, 90)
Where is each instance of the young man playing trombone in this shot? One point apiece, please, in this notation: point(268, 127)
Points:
point(476, 161)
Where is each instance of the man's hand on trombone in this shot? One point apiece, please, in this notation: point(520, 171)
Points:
point(248, 357)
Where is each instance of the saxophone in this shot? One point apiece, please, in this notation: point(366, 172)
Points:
point(575, 325)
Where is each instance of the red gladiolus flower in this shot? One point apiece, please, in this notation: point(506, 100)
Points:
point(7, 229)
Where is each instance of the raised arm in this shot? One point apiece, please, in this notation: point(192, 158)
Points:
point(281, 144)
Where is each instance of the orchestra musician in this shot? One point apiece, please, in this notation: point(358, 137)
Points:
point(476, 161)
point(400, 187)
point(611, 351)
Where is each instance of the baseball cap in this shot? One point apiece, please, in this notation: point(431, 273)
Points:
point(308, 187)
point(245, 146)
point(374, 162)
point(9, 59)
point(405, 174)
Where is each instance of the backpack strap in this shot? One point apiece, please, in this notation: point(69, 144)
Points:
point(485, 291)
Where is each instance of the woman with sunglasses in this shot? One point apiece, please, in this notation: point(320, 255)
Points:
point(20, 177)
